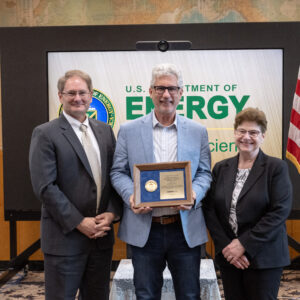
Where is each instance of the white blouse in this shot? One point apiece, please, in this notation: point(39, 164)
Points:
point(241, 177)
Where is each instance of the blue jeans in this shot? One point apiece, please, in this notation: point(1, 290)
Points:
point(166, 244)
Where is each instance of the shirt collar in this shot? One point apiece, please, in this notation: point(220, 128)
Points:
point(155, 122)
point(74, 122)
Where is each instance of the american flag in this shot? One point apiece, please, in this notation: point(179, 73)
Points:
point(293, 144)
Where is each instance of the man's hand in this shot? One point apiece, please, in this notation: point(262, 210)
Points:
point(103, 222)
point(185, 207)
point(138, 210)
point(88, 227)
point(182, 207)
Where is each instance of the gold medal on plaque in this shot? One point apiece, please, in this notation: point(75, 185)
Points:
point(151, 186)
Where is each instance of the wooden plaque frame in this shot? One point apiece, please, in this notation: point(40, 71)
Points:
point(138, 168)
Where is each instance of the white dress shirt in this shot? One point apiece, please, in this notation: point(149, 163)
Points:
point(75, 124)
point(165, 150)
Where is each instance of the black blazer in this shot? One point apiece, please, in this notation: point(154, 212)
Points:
point(262, 209)
point(62, 179)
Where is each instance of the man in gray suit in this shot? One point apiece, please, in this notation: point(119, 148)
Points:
point(70, 160)
point(163, 235)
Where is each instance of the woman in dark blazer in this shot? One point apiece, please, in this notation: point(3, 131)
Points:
point(245, 211)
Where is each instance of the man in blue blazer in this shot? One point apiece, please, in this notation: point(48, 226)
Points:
point(163, 235)
point(76, 223)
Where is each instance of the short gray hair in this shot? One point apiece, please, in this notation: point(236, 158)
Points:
point(166, 70)
point(74, 73)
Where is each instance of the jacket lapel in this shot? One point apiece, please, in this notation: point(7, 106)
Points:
point(229, 179)
point(181, 139)
point(255, 173)
point(71, 136)
point(146, 134)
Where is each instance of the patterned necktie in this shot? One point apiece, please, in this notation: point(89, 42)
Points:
point(93, 160)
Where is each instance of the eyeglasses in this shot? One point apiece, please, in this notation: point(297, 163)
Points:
point(72, 94)
point(252, 133)
point(159, 89)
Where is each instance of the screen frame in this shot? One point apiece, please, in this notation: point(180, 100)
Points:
point(24, 82)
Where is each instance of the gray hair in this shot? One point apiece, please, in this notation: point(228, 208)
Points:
point(166, 70)
point(74, 73)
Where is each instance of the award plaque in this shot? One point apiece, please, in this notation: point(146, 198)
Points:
point(163, 184)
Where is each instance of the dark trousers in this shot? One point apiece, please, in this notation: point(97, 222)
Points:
point(250, 284)
point(166, 244)
point(88, 272)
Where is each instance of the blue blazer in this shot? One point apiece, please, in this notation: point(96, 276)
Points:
point(135, 146)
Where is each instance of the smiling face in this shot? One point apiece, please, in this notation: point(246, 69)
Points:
point(75, 105)
point(248, 138)
point(165, 104)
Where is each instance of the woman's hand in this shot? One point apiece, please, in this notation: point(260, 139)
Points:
point(241, 263)
point(234, 254)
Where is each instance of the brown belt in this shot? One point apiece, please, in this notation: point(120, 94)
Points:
point(164, 220)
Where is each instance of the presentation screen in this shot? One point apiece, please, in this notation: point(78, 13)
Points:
point(217, 85)
point(226, 67)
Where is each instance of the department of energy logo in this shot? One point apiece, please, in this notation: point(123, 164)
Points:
point(100, 109)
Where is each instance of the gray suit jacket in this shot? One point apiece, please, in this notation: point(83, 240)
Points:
point(135, 146)
point(62, 180)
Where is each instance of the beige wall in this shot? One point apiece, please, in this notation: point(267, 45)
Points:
point(14, 13)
